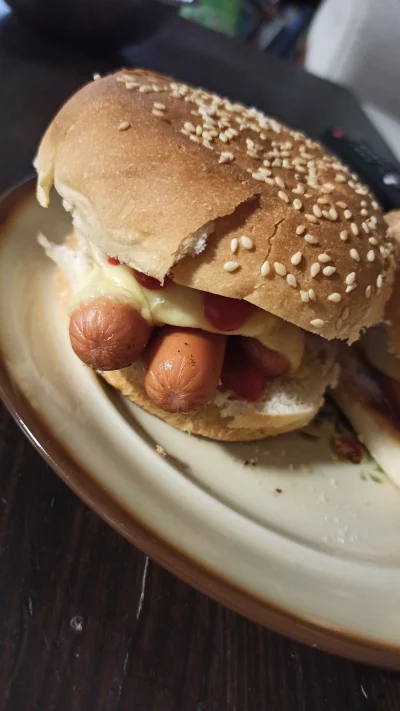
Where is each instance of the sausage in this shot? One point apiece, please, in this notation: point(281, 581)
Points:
point(184, 368)
point(272, 363)
point(246, 379)
point(107, 334)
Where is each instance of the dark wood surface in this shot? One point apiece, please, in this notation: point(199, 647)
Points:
point(87, 623)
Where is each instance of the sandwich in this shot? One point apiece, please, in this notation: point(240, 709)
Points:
point(369, 387)
point(215, 256)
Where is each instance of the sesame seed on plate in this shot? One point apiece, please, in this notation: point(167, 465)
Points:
point(354, 255)
point(344, 235)
point(231, 266)
point(351, 287)
point(373, 241)
point(315, 269)
point(265, 269)
point(354, 228)
point(317, 322)
point(291, 280)
point(124, 125)
point(347, 214)
point(283, 196)
point(310, 239)
point(296, 258)
point(379, 281)
point(297, 204)
point(328, 271)
point(368, 291)
point(311, 294)
point(371, 255)
point(280, 269)
point(304, 296)
point(350, 279)
point(246, 242)
point(317, 211)
point(234, 245)
point(300, 230)
point(324, 258)
point(336, 297)
point(311, 218)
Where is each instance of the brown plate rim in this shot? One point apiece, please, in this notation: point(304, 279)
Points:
point(204, 579)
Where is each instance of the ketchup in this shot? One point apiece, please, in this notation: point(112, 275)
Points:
point(226, 314)
point(240, 375)
point(113, 261)
point(149, 282)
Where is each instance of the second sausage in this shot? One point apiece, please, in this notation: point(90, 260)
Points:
point(184, 368)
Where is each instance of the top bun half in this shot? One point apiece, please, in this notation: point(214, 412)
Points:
point(168, 178)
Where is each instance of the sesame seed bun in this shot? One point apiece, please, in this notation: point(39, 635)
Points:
point(168, 178)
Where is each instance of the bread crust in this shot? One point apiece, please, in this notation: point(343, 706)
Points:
point(144, 182)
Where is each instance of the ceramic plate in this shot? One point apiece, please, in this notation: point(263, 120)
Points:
point(301, 532)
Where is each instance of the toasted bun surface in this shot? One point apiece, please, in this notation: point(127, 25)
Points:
point(289, 403)
point(148, 166)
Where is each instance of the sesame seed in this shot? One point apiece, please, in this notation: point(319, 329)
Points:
point(299, 190)
point(354, 255)
point(340, 178)
point(124, 125)
point(199, 130)
point(373, 218)
point(131, 85)
point(300, 230)
point(311, 218)
point(354, 228)
point(283, 196)
point(364, 212)
point(144, 89)
point(279, 182)
point(345, 313)
point(304, 296)
point(379, 281)
point(328, 271)
point(347, 214)
point(159, 114)
point(234, 245)
point(373, 241)
point(157, 105)
point(296, 258)
point(317, 322)
point(194, 138)
point(297, 204)
point(341, 204)
point(310, 239)
point(368, 291)
point(188, 126)
point(350, 279)
point(365, 227)
point(324, 258)
point(336, 297)
point(323, 201)
point(231, 266)
point(311, 294)
point(371, 255)
point(333, 213)
point(97, 76)
point(350, 288)
point(317, 211)
point(258, 176)
point(325, 189)
point(226, 157)
point(265, 269)
point(269, 181)
point(315, 269)
point(291, 280)
point(246, 242)
point(344, 235)
point(326, 214)
point(363, 203)
point(280, 269)
point(249, 152)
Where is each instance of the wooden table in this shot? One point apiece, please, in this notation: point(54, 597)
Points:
point(87, 623)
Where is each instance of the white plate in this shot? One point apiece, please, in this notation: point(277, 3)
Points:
point(280, 530)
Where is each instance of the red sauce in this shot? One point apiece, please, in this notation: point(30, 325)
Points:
point(240, 375)
point(272, 363)
point(347, 448)
point(226, 314)
point(149, 282)
point(113, 261)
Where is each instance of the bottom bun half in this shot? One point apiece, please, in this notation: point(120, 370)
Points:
point(288, 403)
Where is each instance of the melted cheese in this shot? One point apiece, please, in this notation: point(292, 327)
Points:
point(183, 307)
